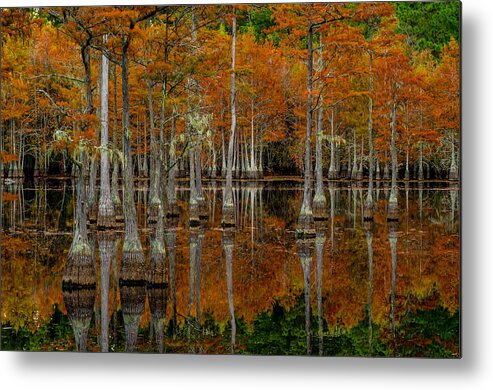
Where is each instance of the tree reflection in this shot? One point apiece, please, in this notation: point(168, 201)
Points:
point(228, 238)
point(106, 243)
point(305, 252)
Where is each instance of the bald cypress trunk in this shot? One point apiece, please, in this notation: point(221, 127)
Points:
point(228, 205)
point(454, 172)
point(115, 194)
point(133, 261)
point(154, 177)
point(354, 171)
point(420, 166)
point(305, 219)
point(172, 210)
point(319, 200)
point(106, 212)
point(369, 195)
point(333, 173)
point(359, 175)
point(392, 211)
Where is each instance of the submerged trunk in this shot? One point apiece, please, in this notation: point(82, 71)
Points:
point(79, 270)
point(79, 276)
point(157, 283)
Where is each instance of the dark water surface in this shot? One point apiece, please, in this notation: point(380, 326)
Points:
point(357, 289)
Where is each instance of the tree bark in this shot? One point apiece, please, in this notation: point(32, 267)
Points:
point(106, 212)
point(228, 205)
point(133, 261)
point(392, 212)
point(305, 219)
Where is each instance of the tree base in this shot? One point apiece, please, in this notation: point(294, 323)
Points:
point(453, 175)
point(173, 210)
point(202, 208)
point(157, 276)
point(368, 212)
point(333, 175)
point(133, 269)
point(152, 214)
point(392, 211)
point(79, 272)
point(305, 227)
point(228, 216)
point(106, 222)
point(406, 175)
point(320, 210)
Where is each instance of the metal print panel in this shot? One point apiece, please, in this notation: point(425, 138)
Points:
point(269, 179)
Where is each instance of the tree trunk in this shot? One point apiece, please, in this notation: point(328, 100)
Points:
point(172, 210)
point(115, 194)
point(454, 173)
point(228, 205)
point(106, 212)
point(420, 167)
point(369, 195)
point(305, 219)
point(392, 212)
point(360, 169)
point(92, 203)
point(154, 177)
point(354, 172)
point(133, 261)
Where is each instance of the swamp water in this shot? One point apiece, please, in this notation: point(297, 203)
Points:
point(356, 289)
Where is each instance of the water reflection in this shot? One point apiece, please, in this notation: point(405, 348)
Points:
point(353, 289)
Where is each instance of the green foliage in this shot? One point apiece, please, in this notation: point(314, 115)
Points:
point(258, 19)
point(46, 337)
point(429, 333)
point(429, 25)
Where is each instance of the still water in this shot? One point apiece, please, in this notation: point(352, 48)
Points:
point(357, 289)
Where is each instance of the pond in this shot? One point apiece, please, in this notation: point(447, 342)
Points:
point(356, 289)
